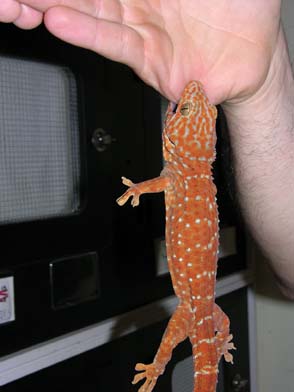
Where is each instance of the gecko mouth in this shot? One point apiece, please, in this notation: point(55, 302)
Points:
point(171, 142)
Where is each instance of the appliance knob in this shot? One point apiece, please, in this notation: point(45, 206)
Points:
point(101, 139)
point(239, 384)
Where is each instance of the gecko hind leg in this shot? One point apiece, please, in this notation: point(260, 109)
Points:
point(223, 336)
point(176, 331)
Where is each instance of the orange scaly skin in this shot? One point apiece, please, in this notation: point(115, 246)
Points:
point(191, 240)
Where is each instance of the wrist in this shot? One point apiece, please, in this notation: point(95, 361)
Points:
point(262, 138)
point(262, 125)
point(277, 92)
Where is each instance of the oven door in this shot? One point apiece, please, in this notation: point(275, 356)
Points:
point(111, 366)
point(72, 123)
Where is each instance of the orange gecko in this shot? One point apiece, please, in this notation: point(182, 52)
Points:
point(192, 237)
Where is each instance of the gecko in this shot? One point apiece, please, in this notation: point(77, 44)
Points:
point(192, 239)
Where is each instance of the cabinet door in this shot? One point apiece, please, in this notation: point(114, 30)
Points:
point(111, 366)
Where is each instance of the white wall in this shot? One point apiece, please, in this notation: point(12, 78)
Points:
point(288, 21)
point(275, 340)
point(274, 313)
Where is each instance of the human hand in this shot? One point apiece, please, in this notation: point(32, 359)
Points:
point(227, 45)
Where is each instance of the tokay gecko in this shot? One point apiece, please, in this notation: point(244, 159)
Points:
point(192, 238)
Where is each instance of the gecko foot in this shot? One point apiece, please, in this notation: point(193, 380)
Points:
point(150, 372)
point(226, 346)
point(131, 192)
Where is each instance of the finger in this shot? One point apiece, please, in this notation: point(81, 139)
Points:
point(9, 11)
point(29, 18)
point(21, 15)
point(141, 366)
point(127, 182)
point(138, 377)
point(112, 40)
point(144, 387)
point(152, 385)
point(124, 198)
point(105, 9)
point(80, 5)
point(136, 200)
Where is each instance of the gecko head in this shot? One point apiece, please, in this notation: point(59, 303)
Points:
point(190, 127)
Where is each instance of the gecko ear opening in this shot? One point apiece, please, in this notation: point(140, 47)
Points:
point(213, 111)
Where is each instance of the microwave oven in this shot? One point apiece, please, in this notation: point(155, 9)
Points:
point(72, 123)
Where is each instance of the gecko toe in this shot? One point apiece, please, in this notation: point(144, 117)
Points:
point(127, 182)
point(150, 372)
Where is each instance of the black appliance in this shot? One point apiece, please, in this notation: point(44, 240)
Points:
point(72, 123)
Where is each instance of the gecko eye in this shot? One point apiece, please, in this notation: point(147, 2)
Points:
point(185, 108)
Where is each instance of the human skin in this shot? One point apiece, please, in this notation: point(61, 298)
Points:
point(237, 50)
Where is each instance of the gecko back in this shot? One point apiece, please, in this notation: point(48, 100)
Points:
point(191, 239)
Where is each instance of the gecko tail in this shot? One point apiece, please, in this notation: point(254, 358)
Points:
point(205, 354)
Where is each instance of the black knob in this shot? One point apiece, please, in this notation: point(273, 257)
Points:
point(101, 139)
point(239, 384)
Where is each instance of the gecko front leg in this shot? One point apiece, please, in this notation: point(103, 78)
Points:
point(133, 191)
point(157, 184)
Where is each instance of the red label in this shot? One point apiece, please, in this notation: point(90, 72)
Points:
point(3, 294)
